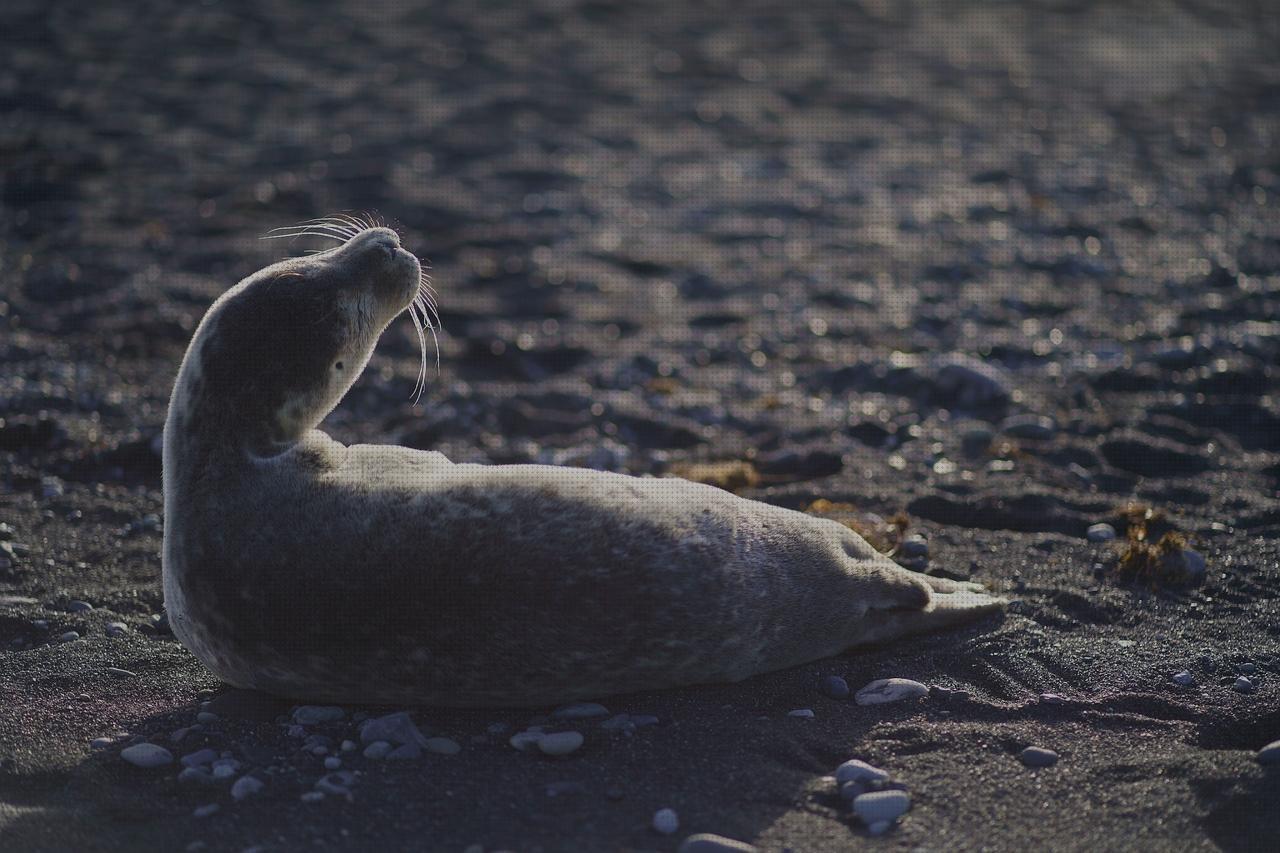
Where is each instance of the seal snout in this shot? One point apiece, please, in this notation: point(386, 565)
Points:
point(375, 238)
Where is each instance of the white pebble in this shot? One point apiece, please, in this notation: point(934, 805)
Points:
point(854, 770)
point(881, 806)
point(560, 743)
point(1101, 532)
point(666, 821)
point(146, 755)
point(884, 690)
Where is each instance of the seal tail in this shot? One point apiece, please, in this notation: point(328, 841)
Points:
point(950, 603)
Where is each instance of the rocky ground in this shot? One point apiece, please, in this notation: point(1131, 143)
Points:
point(999, 271)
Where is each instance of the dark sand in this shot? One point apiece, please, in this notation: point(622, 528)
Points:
point(720, 223)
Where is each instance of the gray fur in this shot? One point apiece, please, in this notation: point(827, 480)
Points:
point(381, 574)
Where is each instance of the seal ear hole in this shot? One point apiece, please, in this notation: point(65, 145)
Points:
point(337, 365)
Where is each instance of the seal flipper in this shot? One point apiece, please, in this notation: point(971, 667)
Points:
point(951, 603)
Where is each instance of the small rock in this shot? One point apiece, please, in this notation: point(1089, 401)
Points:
point(1270, 754)
point(1052, 699)
point(394, 728)
point(1184, 678)
point(120, 673)
point(377, 749)
point(1035, 427)
point(1242, 685)
point(1100, 532)
point(881, 806)
point(332, 763)
point(246, 786)
point(1035, 756)
point(101, 742)
point(69, 637)
point(146, 755)
point(526, 740)
point(706, 842)
point(205, 810)
point(1247, 669)
point(405, 752)
point(560, 743)
point(206, 717)
point(580, 711)
point(338, 784)
point(854, 770)
point(311, 715)
point(884, 690)
point(443, 746)
point(880, 827)
point(642, 720)
point(835, 687)
point(312, 796)
point(348, 746)
point(201, 756)
point(666, 821)
point(805, 713)
point(79, 607)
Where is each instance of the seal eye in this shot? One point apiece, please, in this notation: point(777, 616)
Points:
point(337, 366)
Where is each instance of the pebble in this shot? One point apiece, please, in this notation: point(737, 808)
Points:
point(405, 752)
point(377, 749)
point(338, 784)
point(225, 768)
point(1053, 699)
point(195, 774)
point(1184, 678)
point(443, 746)
point(332, 763)
point(525, 740)
point(246, 786)
point(1100, 532)
point(666, 821)
point(69, 637)
point(101, 742)
point(146, 755)
point(393, 728)
point(1247, 669)
point(706, 842)
point(120, 673)
point(348, 746)
point(310, 715)
point(835, 687)
point(79, 607)
point(880, 827)
point(854, 770)
point(806, 713)
point(1242, 685)
point(1270, 754)
point(881, 806)
point(201, 756)
point(580, 711)
point(312, 796)
point(1035, 756)
point(1036, 427)
point(205, 810)
point(884, 690)
point(206, 717)
point(560, 743)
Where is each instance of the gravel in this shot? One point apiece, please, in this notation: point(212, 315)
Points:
point(885, 690)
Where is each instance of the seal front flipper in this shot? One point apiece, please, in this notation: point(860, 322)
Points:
point(950, 603)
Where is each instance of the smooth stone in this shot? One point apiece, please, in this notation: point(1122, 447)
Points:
point(224, 771)
point(146, 755)
point(1035, 756)
point(337, 784)
point(246, 786)
point(804, 713)
point(200, 756)
point(666, 821)
point(881, 806)
point(332, 763)
point(855, 770)
point(195, 774)
point(707, 842)
point(377, 749)
point(580, 711)
point(205, 810)
point(310, 715)
point(117, 629)
point(1242, 685)
point(394, 728)
point(102, 742)
point(526, 740)
point(405, 752)
point(312, 796)
point(1247, 669)
point(443, 746)
point(642, 720)
point(1100, 532)
point(835, 687)
point(1184, 678)
point(79, 607)
point(69, 637)
point(880, 827)
point(1270, 754)
point(206, 717)
point(1036, 427)
point(560, 743)
point(884, 690)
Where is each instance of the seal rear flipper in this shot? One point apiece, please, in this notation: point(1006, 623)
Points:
point(951, 603)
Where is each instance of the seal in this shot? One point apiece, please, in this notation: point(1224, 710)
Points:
point(378, 574)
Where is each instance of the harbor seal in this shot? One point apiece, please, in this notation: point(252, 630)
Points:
point(378, 574)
